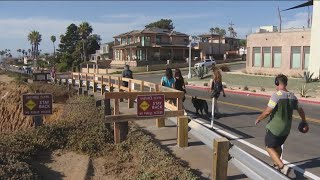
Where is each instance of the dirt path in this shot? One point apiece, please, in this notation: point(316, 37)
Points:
point(62, 165)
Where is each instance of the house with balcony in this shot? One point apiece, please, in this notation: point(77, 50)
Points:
point(151, 45)
point(208, 44)
point(104, 53)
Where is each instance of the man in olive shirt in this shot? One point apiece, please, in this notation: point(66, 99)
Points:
point(280, 109)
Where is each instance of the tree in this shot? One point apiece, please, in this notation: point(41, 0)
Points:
point(23, 52)
point(243, 42)
point(221, 33)
point(35, 38)
point(19, 50)
point(84, 31)
point(29, 50)
point(232, 32)
point(67, 46)
point(2, 53)
point(162, 23)
point(53, 39)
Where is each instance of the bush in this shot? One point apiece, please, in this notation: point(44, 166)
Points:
point(245, 88)
point(62, 67)
point(80, 130)
point(303, 90)
point(262, 89)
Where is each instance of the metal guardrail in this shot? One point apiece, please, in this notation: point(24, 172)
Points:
point(245, 162)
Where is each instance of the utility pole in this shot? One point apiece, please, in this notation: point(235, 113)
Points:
point(279, 19)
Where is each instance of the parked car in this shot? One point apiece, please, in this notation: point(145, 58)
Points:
point(206, 63)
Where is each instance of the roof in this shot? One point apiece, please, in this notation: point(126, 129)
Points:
point(152, 31)
point(111, 42)
point(209, 35)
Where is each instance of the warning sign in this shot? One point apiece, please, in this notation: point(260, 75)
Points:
point(150, 105)
point(37, 104)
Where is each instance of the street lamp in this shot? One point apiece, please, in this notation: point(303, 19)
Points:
point(190, 41)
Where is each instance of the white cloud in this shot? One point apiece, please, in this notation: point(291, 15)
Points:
point(298, 21)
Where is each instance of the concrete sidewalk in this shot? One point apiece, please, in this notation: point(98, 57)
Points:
point(197, 155)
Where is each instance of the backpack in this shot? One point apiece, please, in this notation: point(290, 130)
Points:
point(217, 88)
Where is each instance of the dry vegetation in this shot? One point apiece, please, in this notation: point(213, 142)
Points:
point(79, 129)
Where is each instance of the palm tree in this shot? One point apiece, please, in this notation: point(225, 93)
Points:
point(221, 33)
point(53, 39)
point(2, 53)
point(35, 38)
point(84, 31)
point(29, 50)
point(19, 50)
point(232, 32)
point(23, 52)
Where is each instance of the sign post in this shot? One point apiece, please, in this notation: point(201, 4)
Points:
point(37, 105)
point(150, 105)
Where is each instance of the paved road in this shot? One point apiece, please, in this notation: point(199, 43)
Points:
point(240, 113)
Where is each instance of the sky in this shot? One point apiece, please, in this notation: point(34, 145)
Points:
point(109, 18)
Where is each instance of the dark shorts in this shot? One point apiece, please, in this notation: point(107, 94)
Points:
point(272, 141)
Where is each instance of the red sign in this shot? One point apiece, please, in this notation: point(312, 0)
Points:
point(150, 105)
point(37, 104)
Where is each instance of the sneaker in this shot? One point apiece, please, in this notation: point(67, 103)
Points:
point(275, 166)
point(284, 170)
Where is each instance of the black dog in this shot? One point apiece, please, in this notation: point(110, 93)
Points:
point(200, 104)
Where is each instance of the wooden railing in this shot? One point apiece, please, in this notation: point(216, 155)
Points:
point(111, 88)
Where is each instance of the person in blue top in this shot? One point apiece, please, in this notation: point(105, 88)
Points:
point(168, 80)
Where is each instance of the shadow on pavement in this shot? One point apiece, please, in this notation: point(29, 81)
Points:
point(305, 164)
point(208, 118)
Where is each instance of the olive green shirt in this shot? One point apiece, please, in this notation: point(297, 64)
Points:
point(283, 103)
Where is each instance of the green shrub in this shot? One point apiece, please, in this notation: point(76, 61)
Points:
point(245, 88)
point(62, 67)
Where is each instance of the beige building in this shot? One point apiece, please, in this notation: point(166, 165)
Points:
point(274, 52)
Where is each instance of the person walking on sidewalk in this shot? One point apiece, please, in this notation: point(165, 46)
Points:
point(179, 82)
point(126, 73)
point(168, 80)
point(280, 109)
point(216, 88)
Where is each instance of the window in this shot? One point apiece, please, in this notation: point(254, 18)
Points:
point(145, 41)
point(256, 57)
point(276, 57)
point(295, 57)
point(266, 56)
point(306, 53)
point(123, 40)
point(129, 40)
point(158, 39)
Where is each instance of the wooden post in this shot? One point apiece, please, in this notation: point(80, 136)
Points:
point(160, 122)
point(142, 86)
point(85, 93)
point(220, 158)
point(87, 85)
point(69, 87)
point(94, 84)
point(79, 91)
point(102, 86)
point(73, 82)
point(182, 131)
point(80, 83)
point(130, 101)
point(116, 125)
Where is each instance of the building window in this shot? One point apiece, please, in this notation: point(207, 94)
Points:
point(158, 39)
point(129, 40)
point(123, 40)
point(266, 57)
point(256, 57)
point(295, 57)
point(276, 57)
point(145, 41)
point(306, 54)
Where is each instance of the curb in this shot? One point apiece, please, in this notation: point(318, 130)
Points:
point(252, 94)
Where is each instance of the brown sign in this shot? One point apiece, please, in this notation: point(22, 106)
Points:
point(37, 104)
point(150, 105)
